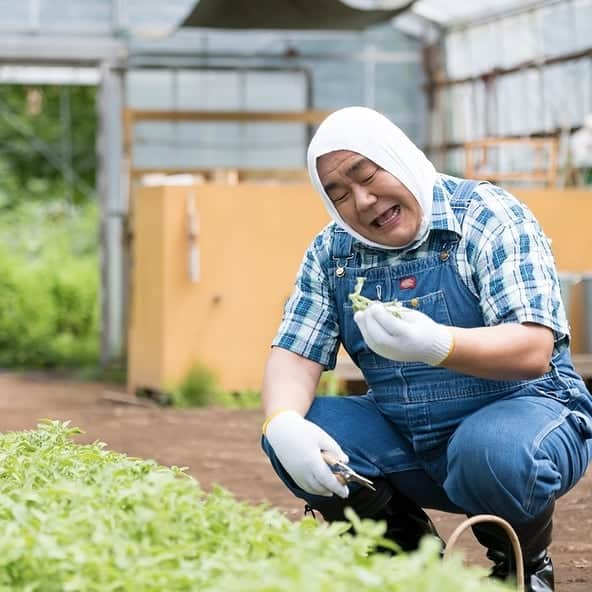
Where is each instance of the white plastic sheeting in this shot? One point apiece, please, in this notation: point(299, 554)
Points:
point(480, 37)
point(381, 68)
point(447, 12)
point(549, 31)
point(93, 17)
point(534, 97)
point(200, 145)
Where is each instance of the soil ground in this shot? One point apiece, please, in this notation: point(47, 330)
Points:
point(222, 446)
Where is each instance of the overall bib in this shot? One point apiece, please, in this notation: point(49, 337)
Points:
point(448, 440)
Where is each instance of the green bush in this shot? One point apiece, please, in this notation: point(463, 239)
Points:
point(80, 517)
point(200, 388)
point(49, 278)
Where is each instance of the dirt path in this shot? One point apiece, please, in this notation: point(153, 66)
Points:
point(222, 446)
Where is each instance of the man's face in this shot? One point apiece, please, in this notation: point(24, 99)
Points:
point(370, 200)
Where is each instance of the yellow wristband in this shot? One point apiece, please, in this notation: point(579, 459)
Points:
point(272, 416)
point(450, 350)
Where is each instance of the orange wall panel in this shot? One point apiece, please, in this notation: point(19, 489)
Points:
point(252, 239)
point(565, 216)
point(146, 331)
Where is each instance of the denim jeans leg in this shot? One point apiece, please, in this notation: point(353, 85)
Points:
point(515, 456)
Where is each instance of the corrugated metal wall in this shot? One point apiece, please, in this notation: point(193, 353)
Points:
point(379, 68)
point(217, 144)
point(525, 74)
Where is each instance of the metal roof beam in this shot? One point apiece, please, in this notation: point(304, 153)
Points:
point(61, 75)
point(60, 50)
point(481, 17)
point(196, 59)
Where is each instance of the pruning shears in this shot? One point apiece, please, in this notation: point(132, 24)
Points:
point(344, 473)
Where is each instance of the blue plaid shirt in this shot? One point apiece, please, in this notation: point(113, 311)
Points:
point(503, 257)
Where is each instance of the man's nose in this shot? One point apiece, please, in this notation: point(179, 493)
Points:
point(364, 197)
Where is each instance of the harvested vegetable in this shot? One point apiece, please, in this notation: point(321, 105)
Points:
point(360, 302)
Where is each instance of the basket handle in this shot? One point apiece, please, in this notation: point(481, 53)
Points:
point(458, 531)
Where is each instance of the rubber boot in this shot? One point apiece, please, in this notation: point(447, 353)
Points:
point(406, 522)
point(534, 537)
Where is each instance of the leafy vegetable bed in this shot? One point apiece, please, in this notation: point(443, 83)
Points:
point(80, 517)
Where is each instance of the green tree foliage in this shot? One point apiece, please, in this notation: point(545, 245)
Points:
point(47, 143)
point(49, 268)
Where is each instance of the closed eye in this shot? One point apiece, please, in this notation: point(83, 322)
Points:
point(340, 198)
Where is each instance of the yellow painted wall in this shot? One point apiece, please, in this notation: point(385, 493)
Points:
point(565, 216)
point(252, 240)
point(147, 306)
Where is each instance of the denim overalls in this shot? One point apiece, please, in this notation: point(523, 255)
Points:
point(448, 440)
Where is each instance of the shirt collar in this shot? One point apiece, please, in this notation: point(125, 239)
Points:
point(443, 217)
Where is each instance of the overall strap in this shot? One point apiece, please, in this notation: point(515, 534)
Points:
point(342, 250)
point(342, 245)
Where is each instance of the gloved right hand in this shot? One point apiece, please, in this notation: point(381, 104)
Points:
point(297, 443)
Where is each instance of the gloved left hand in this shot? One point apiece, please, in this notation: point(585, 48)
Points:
point(412, 337)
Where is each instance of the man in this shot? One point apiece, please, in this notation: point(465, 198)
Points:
point(473, 403)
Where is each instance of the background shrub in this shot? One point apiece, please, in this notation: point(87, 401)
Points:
point(49, 282)
point(200, 388)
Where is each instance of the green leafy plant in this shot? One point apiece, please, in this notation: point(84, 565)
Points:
point(199, 388)
point(80, 517)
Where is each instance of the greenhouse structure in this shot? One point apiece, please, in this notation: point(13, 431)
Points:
point(196, 87)
point(252, 338)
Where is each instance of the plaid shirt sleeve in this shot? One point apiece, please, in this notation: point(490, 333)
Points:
point(513, 266)
point(309, 325)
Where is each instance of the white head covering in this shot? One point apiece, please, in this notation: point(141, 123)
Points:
point(372, 135)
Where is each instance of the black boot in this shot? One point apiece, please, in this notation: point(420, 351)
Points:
point(406, 522)
point(534, 537)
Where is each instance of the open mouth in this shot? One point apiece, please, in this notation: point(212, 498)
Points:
point(387, 217)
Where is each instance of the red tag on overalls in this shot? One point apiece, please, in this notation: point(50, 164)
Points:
point(408, 283)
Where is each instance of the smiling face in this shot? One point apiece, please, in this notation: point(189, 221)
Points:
point(369, 199)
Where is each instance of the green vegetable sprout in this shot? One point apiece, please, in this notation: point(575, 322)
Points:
point(360, 302)
point(82, 517)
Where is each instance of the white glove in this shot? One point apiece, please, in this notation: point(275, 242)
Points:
point(297, 443)
point(412, 337)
